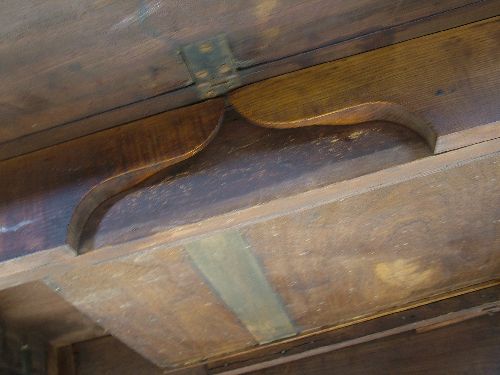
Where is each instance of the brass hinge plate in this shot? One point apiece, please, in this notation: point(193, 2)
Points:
point(212, 66)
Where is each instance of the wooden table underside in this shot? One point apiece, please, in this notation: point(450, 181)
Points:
point(267, 236)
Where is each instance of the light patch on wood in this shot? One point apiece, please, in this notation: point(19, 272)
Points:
point(404, 273)
point(264, 9)
point(16, 227)
point(356, 134)
point(268, 37)
point(235, 274)
point(144, 11)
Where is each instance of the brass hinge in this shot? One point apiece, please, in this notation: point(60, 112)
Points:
point(212, 66)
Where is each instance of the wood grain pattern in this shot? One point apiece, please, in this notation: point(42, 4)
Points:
point(91, 170)
point(375, 39)
point(358, 181)
point(451, 310)
point(324, 258)
point(233, 272)
point(384, 247)
point(351, 115)
point(246, 166)
point(72, 70)
point(418, 84)
point(422, 319)
point(213, 183)
point(325, 238)
point(157, 304)
point(110, 356)
point(470, 347)
point(33, 309)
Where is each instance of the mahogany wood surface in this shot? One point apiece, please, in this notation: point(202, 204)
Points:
point(313, 157)
point(107, 355)
point(386, 209)
point(470, 347)
point(438, 97)
point(68, 182)
point(330, 226)
point(330, 259)
point(276, 163)
point(69, 70)
point(34, 310)
point(419, 84)
point(431, 315)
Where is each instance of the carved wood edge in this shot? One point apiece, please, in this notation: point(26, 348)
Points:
point(416, 84)
point(357, 114)
point(478, 300)
point(473, 12)
point(208, 116)
point(58, 260)
point(348, 92)
point(116, 184)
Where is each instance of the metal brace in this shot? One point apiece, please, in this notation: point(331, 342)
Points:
point(212, 66)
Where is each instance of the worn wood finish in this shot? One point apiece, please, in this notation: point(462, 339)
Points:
point(191, 129)
point(157, 304)
point(33, 309)
point(350, 176)
point(214, 183)
point(367, 252)
point(323, 252)
point(71, 70)
point(108, 355)
point(418, 84)
point(246, 166)
point(32, 179)
point(451, 310)
point(227, 253)
point(232, 270)
point(350, 115)
point(376, 39)
point(38, 174)
point(91, 170)
point(321, 354)
point(470, 347)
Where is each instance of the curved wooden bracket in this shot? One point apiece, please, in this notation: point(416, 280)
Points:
point(356, 114)
point(142, 149)
point(198, 125)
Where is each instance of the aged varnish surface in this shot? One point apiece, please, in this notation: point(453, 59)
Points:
point(71, 69)
point(418, 84)
point(445, 112)
point(143, 235)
